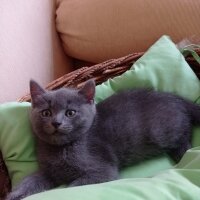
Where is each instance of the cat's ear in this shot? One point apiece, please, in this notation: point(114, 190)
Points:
point(88, 90)
point(36, 90)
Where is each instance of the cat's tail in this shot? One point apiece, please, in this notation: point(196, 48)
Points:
point(194, 112)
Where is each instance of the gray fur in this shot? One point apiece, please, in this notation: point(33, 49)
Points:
point(93, 145)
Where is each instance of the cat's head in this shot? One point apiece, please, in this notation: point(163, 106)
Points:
point(62, 116)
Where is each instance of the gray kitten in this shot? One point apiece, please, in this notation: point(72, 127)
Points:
point(80, 143)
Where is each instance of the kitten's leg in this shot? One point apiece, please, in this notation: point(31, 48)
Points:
point(177, 153)
point(32, 184)
point(97, 176)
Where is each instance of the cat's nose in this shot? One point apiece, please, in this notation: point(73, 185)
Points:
point(56, 124)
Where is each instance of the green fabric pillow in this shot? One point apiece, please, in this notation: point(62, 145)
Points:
point(162, 68)
point(16, 140)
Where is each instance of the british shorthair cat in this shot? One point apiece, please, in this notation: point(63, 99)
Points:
point(78, 142)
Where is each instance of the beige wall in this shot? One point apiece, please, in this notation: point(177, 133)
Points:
point(25, 46)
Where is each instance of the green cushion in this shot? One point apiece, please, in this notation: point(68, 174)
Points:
point(16, 140)
point(161, 68)
point(175, 184)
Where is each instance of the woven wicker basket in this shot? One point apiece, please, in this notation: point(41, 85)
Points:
point(103, 71)
point(100, 73)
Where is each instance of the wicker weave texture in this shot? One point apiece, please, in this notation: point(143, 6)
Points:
point(103, 71)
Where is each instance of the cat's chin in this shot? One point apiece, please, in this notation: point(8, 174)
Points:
point(59, 133)
point(55, 138)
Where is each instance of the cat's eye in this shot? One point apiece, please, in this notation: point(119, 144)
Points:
point(70, 113)
point(46, 113)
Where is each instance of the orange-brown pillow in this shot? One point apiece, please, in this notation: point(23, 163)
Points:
point(97, 30)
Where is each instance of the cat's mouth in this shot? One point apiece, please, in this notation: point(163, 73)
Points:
point(56, 132)
point(59, 132)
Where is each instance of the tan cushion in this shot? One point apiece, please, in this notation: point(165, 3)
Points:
point(96, 30)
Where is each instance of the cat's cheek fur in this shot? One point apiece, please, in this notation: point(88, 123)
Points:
point(48, 129)
point(88, 113)
point(45, 132)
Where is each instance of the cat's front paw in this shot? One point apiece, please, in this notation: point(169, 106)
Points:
point(15, 195)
